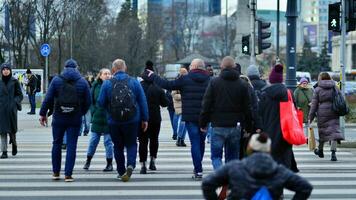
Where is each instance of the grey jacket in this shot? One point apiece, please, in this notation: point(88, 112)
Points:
point(328, 120)
point(246, 177)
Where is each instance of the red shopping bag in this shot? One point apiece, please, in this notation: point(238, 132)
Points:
point(300, 117)
point(291, 129)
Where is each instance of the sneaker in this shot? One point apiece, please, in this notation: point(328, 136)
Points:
point(197, 176)
point(152, 166)
point(55, 176)
point(64, 146)
point(126, 177)
point(333, 156)
point(68, 179)
point(86, 165)
point(319, 153)
point(31, 113)
point(4, 155)
point(174, 137)
point(143, 170)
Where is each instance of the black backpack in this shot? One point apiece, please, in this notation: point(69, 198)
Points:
point(68, 101)
point(339, 105)
point(122, 103)
point(38, 82)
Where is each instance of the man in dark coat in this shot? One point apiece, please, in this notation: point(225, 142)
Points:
point(62, 122)
point(31, 87)
point(247, 177)
point(192, 87)
point(155, 99)
point(227, 105)
point(10, 102)
point(271, 96)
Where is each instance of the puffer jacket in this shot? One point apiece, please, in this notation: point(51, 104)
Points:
point(246, 177)
point(328, 120)
point(177, 101)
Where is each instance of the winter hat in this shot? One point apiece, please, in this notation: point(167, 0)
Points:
point(5, 65)
point(71, 63)
point(149, 65)
point(238, 68)
point(260, 142)
point(276, 75)
point(253, 71)
point(303, 80)
point(28, 71)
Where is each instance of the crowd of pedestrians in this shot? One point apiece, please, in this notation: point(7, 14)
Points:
point(240, 113)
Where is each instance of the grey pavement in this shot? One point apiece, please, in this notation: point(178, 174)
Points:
point(28, 175)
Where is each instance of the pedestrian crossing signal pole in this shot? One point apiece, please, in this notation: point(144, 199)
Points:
point(253, 34)
point(342, 60)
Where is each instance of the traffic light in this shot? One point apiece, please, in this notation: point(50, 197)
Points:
point(334, 17)
point(350, 15)
point(263, 34)
point(246, 44)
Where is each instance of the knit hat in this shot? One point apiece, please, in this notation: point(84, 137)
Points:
point(28, 71)
point(253, 71)
point(276, 75)
point(260, 142)
point(303, 80)
point(5, 65)
point(71, 63)
point(149, 65)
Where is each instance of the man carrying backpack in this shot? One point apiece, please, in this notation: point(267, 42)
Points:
point(69, 95)
point(256, 176)
point(125, 101)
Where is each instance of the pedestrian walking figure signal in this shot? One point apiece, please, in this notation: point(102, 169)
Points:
point(333, 23)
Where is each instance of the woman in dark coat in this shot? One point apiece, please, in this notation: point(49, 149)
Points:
point(99, 124)
point(271, 96)
point(328, 120)
point(10, 101)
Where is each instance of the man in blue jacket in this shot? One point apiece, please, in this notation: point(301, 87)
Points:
point(69, 96)
point(192, 87)
point(124, 132)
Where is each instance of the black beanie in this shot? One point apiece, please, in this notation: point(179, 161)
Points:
point(149, 65)
point(28, 71)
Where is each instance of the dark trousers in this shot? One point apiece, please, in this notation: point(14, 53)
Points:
point(72, 139)
point(32, 99)
point(124, 135)
point(151, 135)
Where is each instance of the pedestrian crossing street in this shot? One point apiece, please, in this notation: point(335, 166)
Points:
point(28, 175)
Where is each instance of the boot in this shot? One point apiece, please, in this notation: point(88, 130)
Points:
point(143, 168)
point(178, 143)
point(152, 164)
point(87, 163)
point(108, 167)
point(333, 156)
point(319, 152)
point(14, 149)
point(4, 155)
point(182, 144)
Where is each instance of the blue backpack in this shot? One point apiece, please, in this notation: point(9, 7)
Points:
point(262, 194)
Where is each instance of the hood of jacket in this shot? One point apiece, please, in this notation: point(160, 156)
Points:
point(199, 75)
point(229, 74)
point(326, 84)
point(277, 91)
point(260, 165)
point(71, 74)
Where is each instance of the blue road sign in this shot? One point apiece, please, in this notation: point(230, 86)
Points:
point(45, 50)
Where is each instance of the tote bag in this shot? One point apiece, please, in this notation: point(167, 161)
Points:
point(311, 139)
point(291, 127)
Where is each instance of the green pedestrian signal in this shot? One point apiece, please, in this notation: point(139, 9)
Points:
point(246, 44)
point(334, 17)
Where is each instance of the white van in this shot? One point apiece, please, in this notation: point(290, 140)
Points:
point(171, 71)
point(301, 75)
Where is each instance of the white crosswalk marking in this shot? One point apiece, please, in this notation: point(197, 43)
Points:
point(28, 175)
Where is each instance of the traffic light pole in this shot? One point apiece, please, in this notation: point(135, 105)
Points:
point(342, 59)
point(253, 35)
point(291, 15)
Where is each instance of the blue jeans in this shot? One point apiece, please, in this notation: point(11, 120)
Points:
point(32, 99)
point(86, 119)
point(65, 138)
point(94, 141)
point(124, 135)
point(208, 134)
point(173, 123)
point(228, 138)
point(72, 139)
point(197, 141)
point(181, 130)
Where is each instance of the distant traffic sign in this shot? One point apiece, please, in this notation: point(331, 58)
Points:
point(45, 50)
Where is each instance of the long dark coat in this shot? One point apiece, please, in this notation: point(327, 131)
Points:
point(328, 120)
point(10, 101)
point(269, 111)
